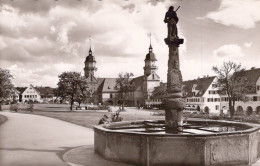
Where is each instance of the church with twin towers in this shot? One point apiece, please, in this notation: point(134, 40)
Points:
point(103, 89)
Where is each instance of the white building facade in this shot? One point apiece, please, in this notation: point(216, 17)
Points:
point(30, 94)
point(202, 95)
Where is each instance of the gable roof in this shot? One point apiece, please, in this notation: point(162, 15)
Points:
point(138, 81)
point(153, 77)
point(45, 90)
point(109, 85)
point(252, 75)
point(21, 89)
point(31, 86)
point(202, 85)
point(160, 91)
point(99, 85)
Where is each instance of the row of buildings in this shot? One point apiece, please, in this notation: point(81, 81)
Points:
point(201, 94)
point(34, 94)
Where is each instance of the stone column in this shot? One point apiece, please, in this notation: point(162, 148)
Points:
point(174, 104)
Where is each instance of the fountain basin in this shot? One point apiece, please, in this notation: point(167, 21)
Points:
point(241, 147)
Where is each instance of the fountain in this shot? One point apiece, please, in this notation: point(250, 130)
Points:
point(173, 141)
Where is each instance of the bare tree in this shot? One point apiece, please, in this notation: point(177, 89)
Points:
point(232, 80)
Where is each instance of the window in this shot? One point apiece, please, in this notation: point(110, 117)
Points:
point(216, 99)
point(213, 92)
point(217, 107)
point(111, 95)
point(254, 98)
point(210, 100)
point(258, 87)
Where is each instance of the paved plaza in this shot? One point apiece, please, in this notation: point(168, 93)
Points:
point(30, 140)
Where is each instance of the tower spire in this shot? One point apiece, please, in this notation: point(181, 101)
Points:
point(150, 48)
point(90, 51)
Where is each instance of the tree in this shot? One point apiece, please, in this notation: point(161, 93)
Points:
point(123, 85)
point(232, 80)
point(72, 86)
point(6, 86)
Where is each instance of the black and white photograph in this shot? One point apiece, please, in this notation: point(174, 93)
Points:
point(129, 82)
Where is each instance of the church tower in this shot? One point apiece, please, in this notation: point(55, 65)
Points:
point(150, 59)
point(151, 79)
point(90, 67)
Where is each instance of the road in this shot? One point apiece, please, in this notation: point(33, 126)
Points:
point(31, 140)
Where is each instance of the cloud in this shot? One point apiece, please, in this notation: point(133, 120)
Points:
point(248, 44)
point(44, 74)
point(38, 37)
point(239, 13)
point(229, 50)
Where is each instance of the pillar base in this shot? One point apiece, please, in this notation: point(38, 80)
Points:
point(173, 115)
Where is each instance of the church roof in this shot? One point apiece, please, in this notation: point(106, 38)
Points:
point(150, 55)
point(138, 81)
point(109, 85)
point(90, 57)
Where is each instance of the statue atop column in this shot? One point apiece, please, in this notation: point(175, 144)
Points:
point(174, 104)
point(171, 19)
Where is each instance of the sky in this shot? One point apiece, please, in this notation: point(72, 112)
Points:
point(40, 39)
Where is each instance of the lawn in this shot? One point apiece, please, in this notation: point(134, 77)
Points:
point(88, 118)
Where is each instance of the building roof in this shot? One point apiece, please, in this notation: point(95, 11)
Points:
point(45, 90)
point(90, 57)
point(21, 89)
point(109, 85)
point(138, 81)
point(202, 85)
point(160, 91)
point(252, 75)
point(99, 85)
point(150, 56)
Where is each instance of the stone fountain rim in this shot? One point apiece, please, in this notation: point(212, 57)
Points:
point(253, 128)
